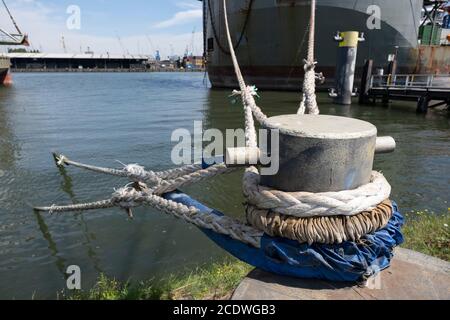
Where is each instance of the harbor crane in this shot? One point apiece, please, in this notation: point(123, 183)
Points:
point(125, 51)
point(150, 42)
point(18, 38)
point(190, 46)
point(193, 42)
point(63, 43)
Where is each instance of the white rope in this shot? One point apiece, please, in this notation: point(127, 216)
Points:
point(247, 93)
point(103, 204)
point(171, 185)
point(306, 204)
point(298, 204)
point(134, 172)
point(163, 181)
point(219, 224)
point(129, 197)
point(309, 101)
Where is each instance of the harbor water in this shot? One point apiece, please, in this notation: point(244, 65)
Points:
point(114, 118)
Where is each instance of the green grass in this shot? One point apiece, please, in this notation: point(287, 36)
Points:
point(424, 232)
point(214, 282)
point(428, 233)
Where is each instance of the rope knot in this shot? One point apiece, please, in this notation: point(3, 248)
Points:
point(253, 91)
point(309, 65)
point(138, 173)
point(236, 94)
point(52, 209)
point(135, 170)
point(126, 197)
point(60, 160)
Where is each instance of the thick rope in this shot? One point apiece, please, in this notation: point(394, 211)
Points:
point(171, 185)
point(309, 100)
point(103, 204)
point(250, 107)
point(306, 204)
point(219, 224)
point(128, 197)
point(134, 172)
point(323, 230)
point(176, 178)
point(244, 27)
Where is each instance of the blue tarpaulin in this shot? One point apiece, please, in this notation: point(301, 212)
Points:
point(348, 261)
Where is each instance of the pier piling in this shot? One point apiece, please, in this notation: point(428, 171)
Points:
point(346, 65)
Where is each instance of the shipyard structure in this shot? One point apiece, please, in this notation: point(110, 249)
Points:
point(28, 62)
point(270, 38)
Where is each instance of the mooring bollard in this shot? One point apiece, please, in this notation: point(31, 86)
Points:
point(319, 153)
point(324, 153)
point(346, 65)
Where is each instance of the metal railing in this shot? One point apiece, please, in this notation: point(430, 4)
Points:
point(411, 81)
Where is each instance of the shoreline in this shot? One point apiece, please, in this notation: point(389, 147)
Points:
point(424, 232)
point(13, 70)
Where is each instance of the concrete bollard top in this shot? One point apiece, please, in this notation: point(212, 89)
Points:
point(322, 153)
point(322, 127)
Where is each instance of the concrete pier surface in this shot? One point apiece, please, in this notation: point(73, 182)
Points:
point(412, 276)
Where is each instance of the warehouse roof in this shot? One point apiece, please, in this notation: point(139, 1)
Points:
point(76, 56)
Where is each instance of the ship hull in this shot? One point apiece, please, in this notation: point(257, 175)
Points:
point(5, 77)
point(274, 41)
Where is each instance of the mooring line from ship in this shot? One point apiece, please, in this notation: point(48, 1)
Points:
point(309, 101)
point(133, 171)
point(414, 20)
point(241, 36)
point(128, 198)
point(298, 53)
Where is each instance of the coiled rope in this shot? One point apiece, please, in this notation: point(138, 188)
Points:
point(323, 230)
point(331, 217)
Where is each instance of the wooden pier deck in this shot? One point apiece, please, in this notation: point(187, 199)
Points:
point(428, 91)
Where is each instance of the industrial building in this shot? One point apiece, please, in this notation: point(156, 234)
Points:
point(78, 62)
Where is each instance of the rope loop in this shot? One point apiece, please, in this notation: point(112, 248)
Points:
point(306, 204)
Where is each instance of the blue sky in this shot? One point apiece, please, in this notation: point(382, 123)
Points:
point(168, 23)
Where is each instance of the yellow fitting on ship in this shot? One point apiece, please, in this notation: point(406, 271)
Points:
point(349, 39)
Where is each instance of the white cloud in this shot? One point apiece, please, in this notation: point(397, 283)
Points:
point(181, 18)
point(189, 5)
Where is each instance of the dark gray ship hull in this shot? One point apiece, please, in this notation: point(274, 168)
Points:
point(4, 69)
point(273, 38)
